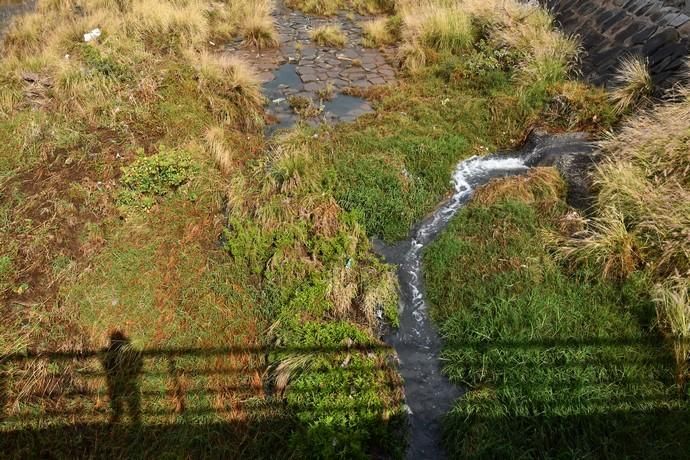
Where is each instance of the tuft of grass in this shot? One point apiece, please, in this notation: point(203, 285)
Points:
point(220, 151)
point(543, 185)
point(320, 7)
point(328, 35)
point(257, 25)
point(607, 243)
point(672, 298)
point(377, 33)
point(441, 27)
point(232, 89)
point(632, 84)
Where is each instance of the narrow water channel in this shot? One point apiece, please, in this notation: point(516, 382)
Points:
point(428, 393)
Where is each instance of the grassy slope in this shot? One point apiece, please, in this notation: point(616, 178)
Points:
point(294, 270)
point(558, 364)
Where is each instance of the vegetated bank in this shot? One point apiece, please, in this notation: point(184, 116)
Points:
point(571, 332)
point(125, 160)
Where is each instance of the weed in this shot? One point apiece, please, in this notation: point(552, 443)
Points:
point(304, 106)
point(155, 175)
point(327, 92)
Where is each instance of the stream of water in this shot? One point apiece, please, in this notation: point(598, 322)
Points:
point(428, 393)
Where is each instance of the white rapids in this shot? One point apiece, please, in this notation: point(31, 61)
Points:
point(468, 175)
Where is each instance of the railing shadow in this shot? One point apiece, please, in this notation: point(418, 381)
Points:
point(118, 401)
point(203, 403)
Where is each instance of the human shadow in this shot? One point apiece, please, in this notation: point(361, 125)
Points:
point(123, 365)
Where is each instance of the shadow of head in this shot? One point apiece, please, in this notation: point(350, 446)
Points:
point(118, 340)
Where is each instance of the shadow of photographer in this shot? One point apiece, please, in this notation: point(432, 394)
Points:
point(123, 366)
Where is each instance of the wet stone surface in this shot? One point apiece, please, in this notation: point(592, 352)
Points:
point(301, 69)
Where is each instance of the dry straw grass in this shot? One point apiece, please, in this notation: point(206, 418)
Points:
point(540, 184)
point(377, 33)
point(329, 35)
point(452, 26)
point(672, 300)
point(632, 84)
point(231, 87)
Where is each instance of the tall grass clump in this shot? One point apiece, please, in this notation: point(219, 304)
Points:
point(256, 24)
point(231, 87)
point(632, 83)
point(329, 35)
point(455, 26)
point(643, 180)
point(672, 298)
point(440, 26)
point(320, 7)
point(377, 32)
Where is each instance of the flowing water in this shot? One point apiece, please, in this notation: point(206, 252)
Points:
point(428, 393)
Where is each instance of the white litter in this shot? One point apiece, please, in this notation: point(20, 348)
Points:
point(94, 34)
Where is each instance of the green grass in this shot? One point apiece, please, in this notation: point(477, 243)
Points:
point(115, 217)
point(557, 365)
point(396, 167)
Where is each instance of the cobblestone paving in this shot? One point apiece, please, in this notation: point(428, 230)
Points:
point(300, 67)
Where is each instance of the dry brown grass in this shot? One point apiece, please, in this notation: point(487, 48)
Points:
point(256, 24)
point(607, 243)
point(219, 149)
point(450, 26)
point(540, 184)
point(232, 89)
point(329, 35)
point(377, 33)
point(672, 298)
point(632, 84)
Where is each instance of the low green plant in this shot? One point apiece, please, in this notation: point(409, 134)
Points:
point(155, 175)
point(5, 272)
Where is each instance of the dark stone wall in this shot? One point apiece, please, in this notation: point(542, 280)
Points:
point(612, 29)
point(681, 4)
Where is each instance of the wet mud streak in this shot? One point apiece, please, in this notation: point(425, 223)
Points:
point(428, 393)
point(301, 68)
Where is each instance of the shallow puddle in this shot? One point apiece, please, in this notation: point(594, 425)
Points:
point(286, 83)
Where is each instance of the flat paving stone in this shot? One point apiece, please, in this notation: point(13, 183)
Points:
point(308, 68)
